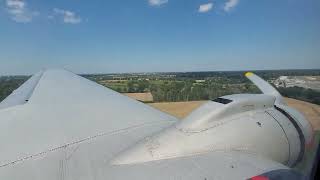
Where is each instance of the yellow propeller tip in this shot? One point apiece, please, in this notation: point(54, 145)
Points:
point(248, 74)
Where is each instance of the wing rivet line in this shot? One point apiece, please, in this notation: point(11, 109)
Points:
point(74, 143)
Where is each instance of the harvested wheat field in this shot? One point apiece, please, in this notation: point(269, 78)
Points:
point(144, 97)
point(178, 109)
point(311, 111)
point(182, 109)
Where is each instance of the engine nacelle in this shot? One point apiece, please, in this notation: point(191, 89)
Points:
point(249, 123)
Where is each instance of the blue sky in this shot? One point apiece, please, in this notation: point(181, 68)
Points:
point(105, 36)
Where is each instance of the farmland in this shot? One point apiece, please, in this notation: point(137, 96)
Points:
point(195, 86)
point(186, 86)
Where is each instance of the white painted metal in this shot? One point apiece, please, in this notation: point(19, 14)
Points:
point(66, 108)
point(265, 87)
point(212, 112)
point(291, 134)
point(303, 126)
point(89, 161)
point(23, 93)
point(251, 132)
point(302, 123)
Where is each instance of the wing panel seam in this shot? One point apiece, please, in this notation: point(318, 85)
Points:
point(78, 142)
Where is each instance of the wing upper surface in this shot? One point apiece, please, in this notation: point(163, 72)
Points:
point(78, 162)
point(65, 108)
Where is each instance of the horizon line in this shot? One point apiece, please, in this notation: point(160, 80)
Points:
point(150, 72)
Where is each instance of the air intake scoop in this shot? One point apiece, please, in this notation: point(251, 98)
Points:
point(211, 113)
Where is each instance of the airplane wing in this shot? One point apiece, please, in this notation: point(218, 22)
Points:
point(57, 108)
point(61, 126)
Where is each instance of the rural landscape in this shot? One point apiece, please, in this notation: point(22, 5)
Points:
point(195, 86)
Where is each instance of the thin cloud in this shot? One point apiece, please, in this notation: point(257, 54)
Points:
point(68, 17)
point(157, 2)
point(19, 11)
point(230, 4)
point(205, 8)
